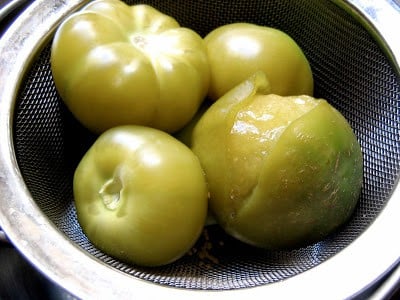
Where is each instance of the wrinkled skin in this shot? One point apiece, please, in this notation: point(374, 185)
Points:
point(282, 171)
point(115, 64)
point(140, 195)
point(238, 50)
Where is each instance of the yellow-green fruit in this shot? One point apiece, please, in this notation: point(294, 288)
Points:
point(236, 51)
point(282, 171)
point(117, 64)
point(140, 195)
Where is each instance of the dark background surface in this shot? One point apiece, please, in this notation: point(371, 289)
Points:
point(20, 281)
point(18, 278)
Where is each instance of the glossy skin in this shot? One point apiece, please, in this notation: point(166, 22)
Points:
point(115, 64)
point(140, 195)
point(283, 172)
point(236, 51)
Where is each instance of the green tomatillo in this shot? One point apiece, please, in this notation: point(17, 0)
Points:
point(282, 171)
point(236, 51)
point(140, 195)
point(115, 64)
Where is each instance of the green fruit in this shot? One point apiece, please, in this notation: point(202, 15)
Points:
point(282, 171)
point(140, 195)
point(235, 51)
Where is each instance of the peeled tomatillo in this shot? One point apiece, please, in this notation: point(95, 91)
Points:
point(283, 172)
point(117, 64)
point(140, 195)
point(238, 50)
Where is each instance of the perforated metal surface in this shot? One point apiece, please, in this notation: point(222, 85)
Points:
point(350, 71)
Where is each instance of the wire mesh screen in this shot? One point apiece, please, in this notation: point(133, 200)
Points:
point(350, 71)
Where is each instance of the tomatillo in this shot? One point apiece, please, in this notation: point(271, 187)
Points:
point(115, 64)
point(283, 172)
point(238, 50)
point(140, 195)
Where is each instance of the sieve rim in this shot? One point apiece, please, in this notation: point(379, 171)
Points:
point(48, 249)
point(375, 17)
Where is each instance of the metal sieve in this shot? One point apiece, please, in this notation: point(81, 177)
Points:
point(354, 51)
